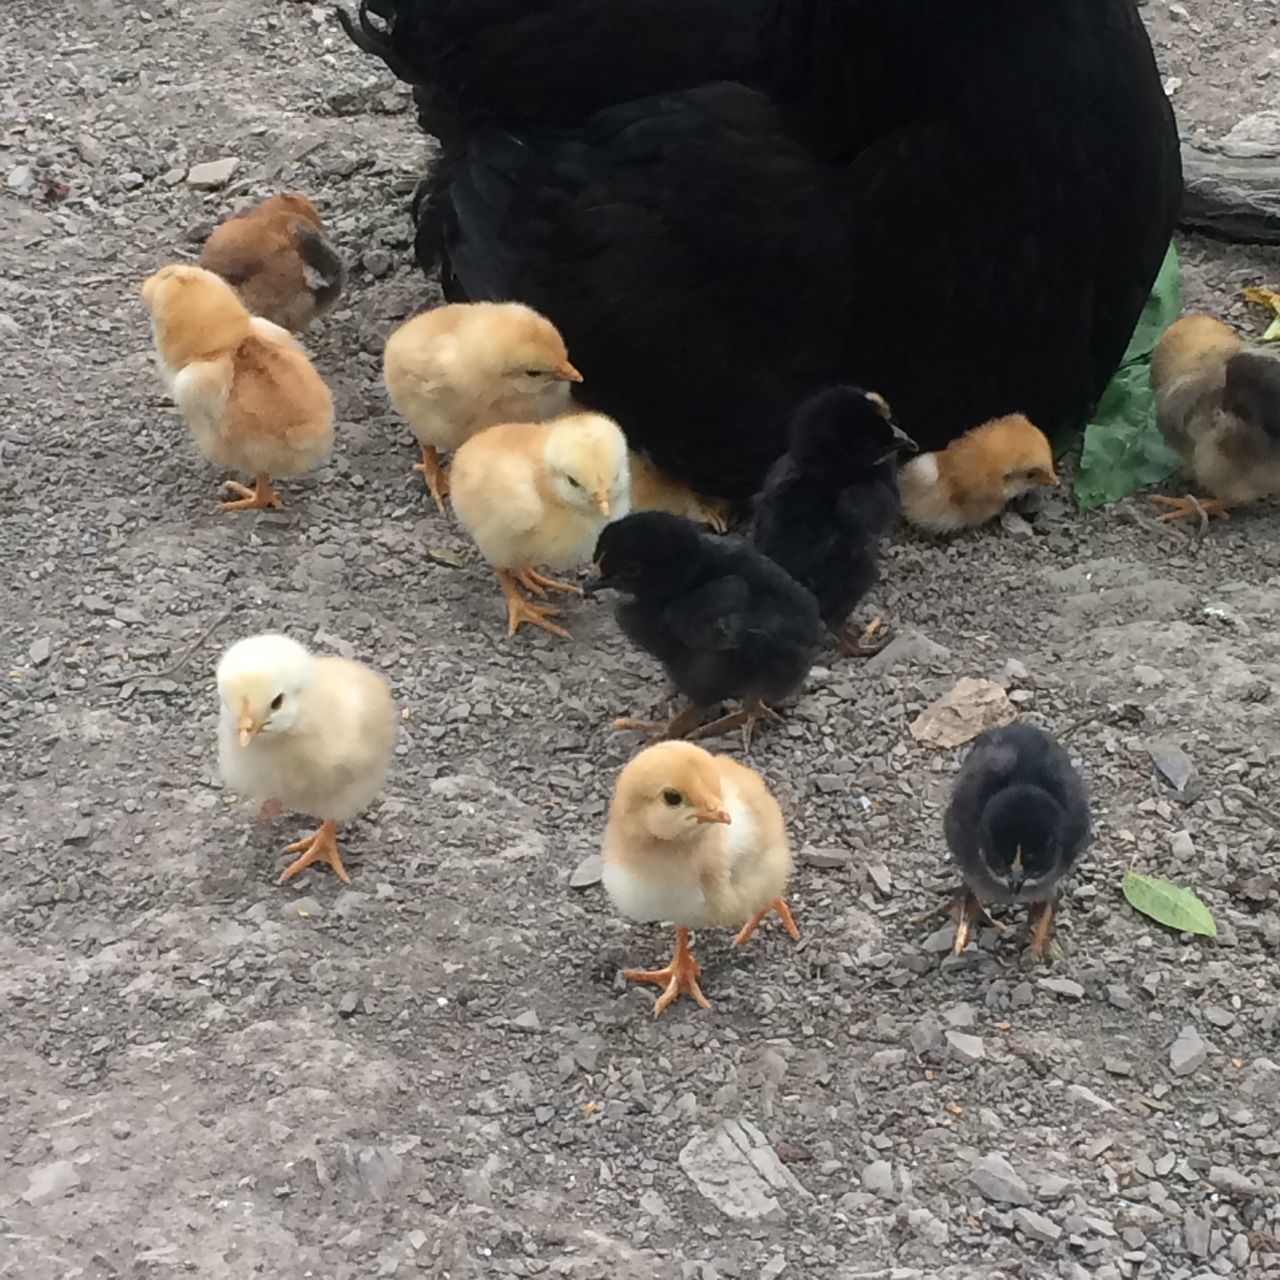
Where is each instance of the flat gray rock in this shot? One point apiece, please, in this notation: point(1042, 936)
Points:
point(735, 1168)
point(998, 1180)
point(51, 1181)
point(1188, 1052)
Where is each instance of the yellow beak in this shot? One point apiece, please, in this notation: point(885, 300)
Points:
point(714, 815)
point(246, 724)
point(602, 503)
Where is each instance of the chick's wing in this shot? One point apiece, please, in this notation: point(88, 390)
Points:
point(712, 617)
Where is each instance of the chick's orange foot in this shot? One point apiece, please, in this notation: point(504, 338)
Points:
point(680, 977)
point(262, 495)
point(320, 846)
point(432, 470)
point(1192, 507)
point(539, 584)
point(963, 909)
point(1042, 917)
point(520, 610)
point(784, 914)
point(680, 726)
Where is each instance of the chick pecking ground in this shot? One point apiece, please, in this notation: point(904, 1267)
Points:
point(440, 1071)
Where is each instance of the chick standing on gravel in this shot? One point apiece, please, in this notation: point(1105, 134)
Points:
point(305, 733)
point(248, 392)
point(1017, 823)
point(532, 494)
point(456, 370)
point(699, 840)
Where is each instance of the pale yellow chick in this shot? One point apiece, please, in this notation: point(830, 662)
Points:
point(459, 369)
point(539, 494)
point(248, 392)
point(696, 839)
point(304, 733)
point(976, 475)
point(654, 490)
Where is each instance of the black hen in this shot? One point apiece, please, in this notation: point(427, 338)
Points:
point(1017, 823)
point(1002, 174)
point(724, 620)
point(828, 500)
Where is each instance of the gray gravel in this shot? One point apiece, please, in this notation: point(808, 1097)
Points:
point(438, 1071)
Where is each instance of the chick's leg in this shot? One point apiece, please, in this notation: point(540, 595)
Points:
point(431, 469)
point(679, 978)
point(1042, 928)
point(1189, 507)
point(539, 584)
point(320, 846)
point(521, 610)
point(679, 726)
point(963, 908)
point(753, 711)
point(261, 495)
point(784, 914)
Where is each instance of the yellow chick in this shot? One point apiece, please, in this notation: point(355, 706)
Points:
point(276, 257)
point(305, 733)
point(459, 369)
point(248, 392)
point(699, 840)
point(655, 490)
point(976, 475)
point(1218, 408)
point(539, 494)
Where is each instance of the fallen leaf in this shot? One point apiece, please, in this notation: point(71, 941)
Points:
point(1269, 298)
point(446, 556)
point(959, 716)
point(1169, 904)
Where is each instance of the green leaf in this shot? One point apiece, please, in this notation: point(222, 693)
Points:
point(1123, 449)
point(1169, 904)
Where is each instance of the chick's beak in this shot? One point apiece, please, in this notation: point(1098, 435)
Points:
point(566, 372)
point(714, 815)
point(246, 724)
point(1016, 874)
point(596, 582)
point(601, 501)
point(1052, 478)
point(904, 442)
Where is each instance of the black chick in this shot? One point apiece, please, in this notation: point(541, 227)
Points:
point(723, 619)
point(828, 500)
point(1017, 823)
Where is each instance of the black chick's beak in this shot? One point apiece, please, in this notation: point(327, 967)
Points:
point(904, 442)
point(596, 582)
point(1016, 881)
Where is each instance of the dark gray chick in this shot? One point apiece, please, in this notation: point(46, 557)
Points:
point(1017, 823)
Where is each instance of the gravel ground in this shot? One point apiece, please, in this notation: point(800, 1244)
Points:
point(438, 1071)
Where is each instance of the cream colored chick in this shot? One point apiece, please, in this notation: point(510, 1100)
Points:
point(459, 369)
point(976, 475)
point(1218, 407)
point(698, 840)
point(248, 392)
point(276, 257)
point(305, 733)
point(539, 494)
point(655, 490)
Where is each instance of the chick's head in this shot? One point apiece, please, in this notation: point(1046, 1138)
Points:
point(647, 554)
point(846, 429)
point(1190, 343)
point(1020, 839)
point(195, 313)
point(290, 204)
point(1022, 453)
point(586, 463)
point(261, 681)
point(672, 791)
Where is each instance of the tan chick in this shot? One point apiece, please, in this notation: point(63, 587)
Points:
point(304, 733)
point(539, 494)
point(655, 490)
point(251, 397)
point(696, 839)
point(276, 257)
point(1218, 408)
point(459, 369)
point(976, 475)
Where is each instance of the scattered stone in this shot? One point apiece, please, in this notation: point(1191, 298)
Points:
point(348, 1005)
point(1181, 845)
point(1232, 1182)
point(940, 940)
point(80, 833)
point(927, 1227)
point(1052, 1187)
point(529, 1021)
point(51, 1182)
point(962, 1015)
point(40, 651)
point(1022, 995)
point(735, 1168)
point(1195, 1233)
point(879, 874)
point(997, 1180)
point(1063, 987)
point(212, 174)
point(1172, 763)
point(120, 1129)
point(1218, 1016)
point(877, 1177)
point(907, 649)
point(1082, 1093)
point(1036, 1226)
point(304, 908)
point(588, 872)
point(377, 262)
point(968, 1049)
point(824, 859)
point(1188, 1052)
point(1120, 997)
point(927, 1035)
point(21, 180)
point(1117, 1067)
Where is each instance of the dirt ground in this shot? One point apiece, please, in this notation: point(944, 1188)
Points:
point(439, 1072)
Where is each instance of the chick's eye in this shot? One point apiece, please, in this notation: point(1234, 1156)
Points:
point(533, 373)
point(277, 702)
point(576, 483)
point(672, 797)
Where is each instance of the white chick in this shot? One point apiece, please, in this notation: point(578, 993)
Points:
point(697, 839)
point(304, 733)
point(539, 494)
point(458, 369)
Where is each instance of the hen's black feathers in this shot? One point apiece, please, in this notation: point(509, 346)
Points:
point(1002, 174)
point(1252, 390)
